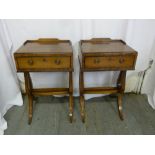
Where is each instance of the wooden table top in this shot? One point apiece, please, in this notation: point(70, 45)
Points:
point(108, 46)
point(45, 47)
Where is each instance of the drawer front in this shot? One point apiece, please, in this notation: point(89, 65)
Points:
point(41, 63)
point(110, 62)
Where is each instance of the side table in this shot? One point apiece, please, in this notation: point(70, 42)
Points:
point(45, 55)
point(105, 54)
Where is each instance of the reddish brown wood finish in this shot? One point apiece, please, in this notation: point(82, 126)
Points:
point(42, 55)
point(105, 54)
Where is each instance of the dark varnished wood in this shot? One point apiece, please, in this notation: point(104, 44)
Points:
point(28, 87)
point(70, 97)
point(44, 63)
point(105, 54)
point(110, 62)
point(45, 46)
point(100, 90)
point(103, 46)
point(42, 55)
point(81, 92)
point(50, 91)
point(121, 88)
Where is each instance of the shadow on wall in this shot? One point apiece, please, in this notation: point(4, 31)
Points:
point(149, 80)
point(143, 82)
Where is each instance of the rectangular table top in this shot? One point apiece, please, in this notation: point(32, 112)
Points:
point(47, 46)
point(105, 46)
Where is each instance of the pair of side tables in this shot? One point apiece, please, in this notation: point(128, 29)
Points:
point(54, 55)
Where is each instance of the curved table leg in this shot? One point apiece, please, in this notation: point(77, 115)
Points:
point(30, 108)
point(121, 88)
point(28, 87)
point(120, 106)
point(71, 108)
point(82, 103)
point(70, 97)
point(82, 108)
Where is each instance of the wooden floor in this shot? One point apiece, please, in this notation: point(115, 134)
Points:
point(50, 117)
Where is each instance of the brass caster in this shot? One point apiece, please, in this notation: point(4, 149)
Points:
point(71, 117)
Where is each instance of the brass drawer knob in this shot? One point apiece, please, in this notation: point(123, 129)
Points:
point(30, 62)
point(97, 60)
point(121, 60)
point(57, 62)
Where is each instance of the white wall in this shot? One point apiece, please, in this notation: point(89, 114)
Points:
point(139, 34)
point(21, 30)
point(74, 30)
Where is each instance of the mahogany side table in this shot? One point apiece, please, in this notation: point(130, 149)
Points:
point(45, 55)
point(105, 54)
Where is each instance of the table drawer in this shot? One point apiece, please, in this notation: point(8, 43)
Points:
point(47, 63)
point(110, 62)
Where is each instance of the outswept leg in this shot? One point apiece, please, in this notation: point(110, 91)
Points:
point(82, 103)
point(30, 100)
point(28, 87)
point(120, 106)
point(121, 88)
point(70, 97)
point(82, 108)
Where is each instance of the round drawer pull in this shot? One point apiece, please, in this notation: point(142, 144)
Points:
point(30, 62)
point(121, 60)
point(57, 62)
point(96, 61)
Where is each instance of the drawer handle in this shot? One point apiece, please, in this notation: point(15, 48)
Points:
point(121, 60)
point(30, 62)
point(96, 61)
point(57, 62)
